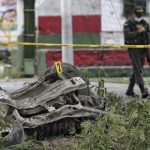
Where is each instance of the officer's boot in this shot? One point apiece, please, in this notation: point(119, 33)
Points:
point(130, 91)
point(144, 91)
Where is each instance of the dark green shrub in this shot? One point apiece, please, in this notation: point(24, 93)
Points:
point(124, 127)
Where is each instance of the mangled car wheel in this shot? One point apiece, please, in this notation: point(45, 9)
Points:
point(15, 135)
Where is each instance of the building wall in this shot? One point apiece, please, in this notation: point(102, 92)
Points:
point(112, 22)
point(94, 22)
point(86, 21)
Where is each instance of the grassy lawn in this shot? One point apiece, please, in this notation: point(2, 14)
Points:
point(118, 79)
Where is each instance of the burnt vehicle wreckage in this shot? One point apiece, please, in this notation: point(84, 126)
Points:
point(50, 106)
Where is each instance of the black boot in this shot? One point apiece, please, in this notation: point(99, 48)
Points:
point(130, 91)
point(144, 91)
point(145, 94)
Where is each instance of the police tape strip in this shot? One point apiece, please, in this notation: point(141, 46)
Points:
point(74, 45)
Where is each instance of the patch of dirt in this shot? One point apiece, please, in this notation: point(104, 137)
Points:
point(61, 143)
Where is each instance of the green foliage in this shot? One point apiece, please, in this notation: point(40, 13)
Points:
point(1, 145)
point(126, 126)
point(102, 73)
point(85, 74)
point(30, 144)
point(114, 131)
point(13, 73)
point(102, 91)
point(23, 146)
point(51, 144)
point(4, 123)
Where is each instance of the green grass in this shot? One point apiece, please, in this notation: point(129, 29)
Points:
point(118, 79)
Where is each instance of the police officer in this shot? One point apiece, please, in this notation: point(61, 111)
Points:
point(136, 32)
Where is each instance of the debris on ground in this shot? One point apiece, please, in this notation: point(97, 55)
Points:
point(56, 104)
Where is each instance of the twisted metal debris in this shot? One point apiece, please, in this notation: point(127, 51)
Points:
point(52, 105)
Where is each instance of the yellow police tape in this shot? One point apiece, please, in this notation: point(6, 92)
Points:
point(74, 45)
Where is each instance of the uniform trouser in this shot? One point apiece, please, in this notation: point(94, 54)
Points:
point(138, 58)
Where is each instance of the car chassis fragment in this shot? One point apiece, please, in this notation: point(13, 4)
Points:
point(50, 106)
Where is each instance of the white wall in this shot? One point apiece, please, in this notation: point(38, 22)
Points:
point(112, 22)
point(110, 10)
point(79, 7)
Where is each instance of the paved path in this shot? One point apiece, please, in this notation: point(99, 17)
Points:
point(14, 84)
point(120, 89)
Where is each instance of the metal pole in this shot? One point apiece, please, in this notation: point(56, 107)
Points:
point(36, 21)
point(66, 31)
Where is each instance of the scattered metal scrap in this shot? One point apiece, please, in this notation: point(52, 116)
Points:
point(53, 105)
